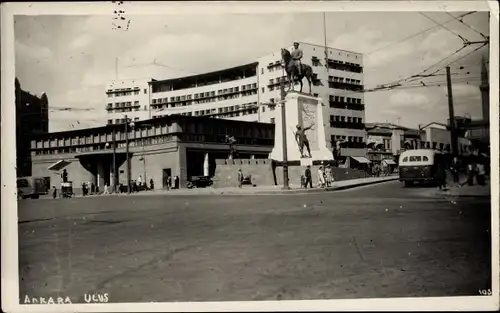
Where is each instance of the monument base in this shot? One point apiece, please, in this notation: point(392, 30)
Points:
point(306, 112)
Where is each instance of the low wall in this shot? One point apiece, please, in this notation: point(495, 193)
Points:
point(265, 172)
point(226, 172)
point(294, 173)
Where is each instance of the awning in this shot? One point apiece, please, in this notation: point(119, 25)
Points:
point(59, 165)
point(361, 160)
point(389, 162)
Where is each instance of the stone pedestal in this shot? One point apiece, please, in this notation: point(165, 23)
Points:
point(302, 110)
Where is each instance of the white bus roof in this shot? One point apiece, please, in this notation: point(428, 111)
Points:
point(420, 152)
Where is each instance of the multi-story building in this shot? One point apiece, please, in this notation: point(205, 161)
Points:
point(438, 135)
point(127, 97)
point(32, 117)
point(246, 93)
point(386, 141)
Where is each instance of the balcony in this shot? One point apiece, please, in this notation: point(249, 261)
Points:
point(345, 86)
point(348, 125)
point(341, 66)
point(347, 105)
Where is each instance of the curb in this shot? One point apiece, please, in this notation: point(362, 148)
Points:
point(215, 192)
point(311, 190)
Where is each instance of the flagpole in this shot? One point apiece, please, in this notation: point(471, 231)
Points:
point(326, 45)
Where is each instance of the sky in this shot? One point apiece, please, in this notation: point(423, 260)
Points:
point(71, 58)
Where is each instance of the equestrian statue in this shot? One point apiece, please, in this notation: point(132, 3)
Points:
point(294, 67)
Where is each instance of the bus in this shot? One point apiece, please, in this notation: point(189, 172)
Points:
point(420, 166)
point(32, 187)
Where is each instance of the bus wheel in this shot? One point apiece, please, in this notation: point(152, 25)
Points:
point(408, 183)
point(35, 196)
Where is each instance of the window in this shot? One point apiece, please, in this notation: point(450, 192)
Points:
point(405, 159)
point(110, 122)
point(136, 118)
point(145, 91)
point(262, 71)
point(415, 158)
point(272, 120)
point(263, 89)
point(425, 158)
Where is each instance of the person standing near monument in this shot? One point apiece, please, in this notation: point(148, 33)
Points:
point(307, 174)
point(297, 55)
point(301, 138)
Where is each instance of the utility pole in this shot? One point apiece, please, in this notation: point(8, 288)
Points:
point(286, 185)
point(128, 156)
point(115, 176)
point(453, 133)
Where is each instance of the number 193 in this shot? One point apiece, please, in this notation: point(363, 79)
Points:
point(485, 292)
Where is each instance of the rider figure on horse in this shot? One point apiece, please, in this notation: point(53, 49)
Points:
point(297, 56)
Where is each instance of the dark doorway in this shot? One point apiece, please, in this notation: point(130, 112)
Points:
point(167, 172)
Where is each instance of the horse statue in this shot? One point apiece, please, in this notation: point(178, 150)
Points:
point(292, 71)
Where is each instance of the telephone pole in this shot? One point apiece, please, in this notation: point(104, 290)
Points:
point(115, 176)
point(453, 133)
point(129, 188)
point(286, 184)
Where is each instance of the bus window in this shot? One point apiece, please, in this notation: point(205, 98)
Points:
point(415, 158)
point(405, 159)
point(425, 158)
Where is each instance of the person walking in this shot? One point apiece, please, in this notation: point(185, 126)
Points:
point(329, 175)
point(240, 178)
point(441, 176)
point(481, 174)
point(308, 176)
point(321, 177)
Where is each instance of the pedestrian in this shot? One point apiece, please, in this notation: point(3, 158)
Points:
point(328, 175)
point(307, 174)
point(240, 178)
point(441, 176)
point(481, 174)
point(168, 183)
point(139, 180)
point(54, 192)
point(106, 191)
point(152, 184)
point(471, 172)
point(454, 170)
point(176, 182)
point(321, 177)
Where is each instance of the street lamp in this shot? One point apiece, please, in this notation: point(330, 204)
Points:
point(114, 173)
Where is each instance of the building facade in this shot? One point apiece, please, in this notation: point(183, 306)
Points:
point(32, 118)
point(386, 141)
point(439, 135)
point(169, 146)
point(127, 97)
point(247, 92)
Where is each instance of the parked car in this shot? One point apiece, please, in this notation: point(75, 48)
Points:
point(31, 187)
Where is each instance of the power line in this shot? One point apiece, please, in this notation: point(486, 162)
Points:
point(416, 34)
point(467, 25)
point(454, 33)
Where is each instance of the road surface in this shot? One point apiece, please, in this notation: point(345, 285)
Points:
point(377, 241)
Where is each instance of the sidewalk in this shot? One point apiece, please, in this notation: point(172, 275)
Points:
point(466, 191)
point(259, 190)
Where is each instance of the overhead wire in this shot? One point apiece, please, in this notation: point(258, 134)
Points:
point(416, 34)
point(444, 27)
point(459, 19)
